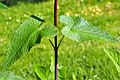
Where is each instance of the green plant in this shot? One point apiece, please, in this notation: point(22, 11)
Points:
point(73, 76)
point(114, 56)
point(2, 6)
point(28, 34)
point(47, 73)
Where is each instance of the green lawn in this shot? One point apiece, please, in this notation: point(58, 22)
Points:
point(86, 60)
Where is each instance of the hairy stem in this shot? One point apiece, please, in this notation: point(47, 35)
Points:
point(55, 40)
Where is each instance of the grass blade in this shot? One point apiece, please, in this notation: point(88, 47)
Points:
point(114, 57)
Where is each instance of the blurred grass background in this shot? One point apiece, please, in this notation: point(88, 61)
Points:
point(86, 60)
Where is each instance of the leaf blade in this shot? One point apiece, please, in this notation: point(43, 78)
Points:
point(48, 31)
point(21, 41)
point(2, 6)
point(81, 30)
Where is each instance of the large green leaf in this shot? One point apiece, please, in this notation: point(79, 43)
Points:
point(25, 37)
point(9, 76)
point(79, 29)
point(2, 6)
point(114, 55)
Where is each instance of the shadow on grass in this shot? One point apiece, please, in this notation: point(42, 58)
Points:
point(14, 2)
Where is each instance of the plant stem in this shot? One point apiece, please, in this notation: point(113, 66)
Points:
point(60, 41)
point(51, 43)
point(55, 39)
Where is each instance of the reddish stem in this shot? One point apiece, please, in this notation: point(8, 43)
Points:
point(55, 38)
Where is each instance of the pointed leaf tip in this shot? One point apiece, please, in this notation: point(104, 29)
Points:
point(37, 18)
